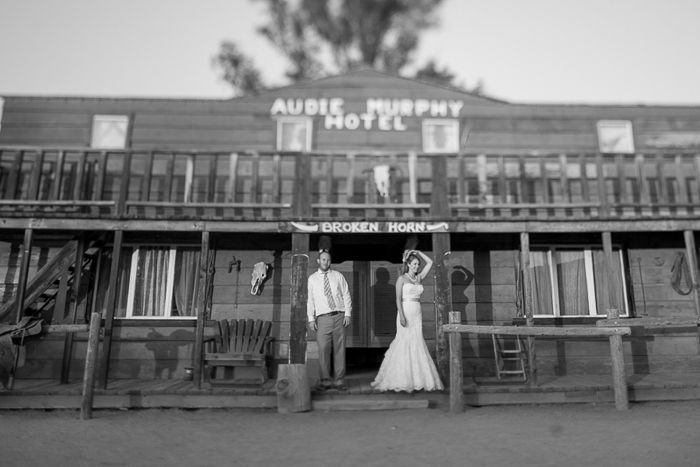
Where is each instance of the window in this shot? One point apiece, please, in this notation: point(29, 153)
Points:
point(159, 282)
point(109, 131)
point(615, 136)
point(440, 136)
point(572, 281)
point(294, 134)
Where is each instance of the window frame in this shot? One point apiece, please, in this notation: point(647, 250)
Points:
point(428, 145)
point(281, 121)
point(170, 287)
point(587, 249)
point(621, 126)
point(114, 118)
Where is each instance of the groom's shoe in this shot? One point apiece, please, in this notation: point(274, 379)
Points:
point(323, 387)
point(341, 386)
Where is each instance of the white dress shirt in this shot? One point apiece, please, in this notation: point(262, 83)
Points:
point(317, 303)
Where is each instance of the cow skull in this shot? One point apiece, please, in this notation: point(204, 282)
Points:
point(382, 179)
point(259, 276)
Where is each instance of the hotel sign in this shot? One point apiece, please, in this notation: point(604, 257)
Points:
point(384, 114)
point(370, 227)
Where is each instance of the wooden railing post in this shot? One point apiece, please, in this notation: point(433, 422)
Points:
point(90, 364)
point(618, 366)
point(456, 366)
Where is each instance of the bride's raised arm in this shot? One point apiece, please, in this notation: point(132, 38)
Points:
point(428, 264)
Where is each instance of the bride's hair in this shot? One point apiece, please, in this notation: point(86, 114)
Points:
point(408, 260)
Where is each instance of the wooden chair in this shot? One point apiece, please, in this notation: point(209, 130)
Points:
point(238, 343)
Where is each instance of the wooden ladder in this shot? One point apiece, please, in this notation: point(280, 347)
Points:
point(504, 356)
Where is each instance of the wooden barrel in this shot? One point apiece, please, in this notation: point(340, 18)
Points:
point(293, 392)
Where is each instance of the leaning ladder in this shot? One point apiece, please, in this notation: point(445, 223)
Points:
point(504, 356)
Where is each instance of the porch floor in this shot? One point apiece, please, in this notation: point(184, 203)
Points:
point(133, 393)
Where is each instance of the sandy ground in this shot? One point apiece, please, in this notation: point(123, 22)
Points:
point(649, 434)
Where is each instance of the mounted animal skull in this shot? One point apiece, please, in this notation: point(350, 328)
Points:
point(382, 179)
point(259, 276)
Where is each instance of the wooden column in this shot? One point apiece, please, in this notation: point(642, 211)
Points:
point(73, 309)
point(528, 306)
point(90, 364)
point(201, 310)
point(23, 273)
point(692, 255)
point(440, 210)
point(111, 305)
point(616, 353)
point(124, 185)
point(301, 209)
point(456, 366)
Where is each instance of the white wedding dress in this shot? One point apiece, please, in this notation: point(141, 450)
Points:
point(407, 365)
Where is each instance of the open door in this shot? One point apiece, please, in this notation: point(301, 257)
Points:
point(372, 286)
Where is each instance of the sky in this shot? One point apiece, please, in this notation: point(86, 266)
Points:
point(524, 51)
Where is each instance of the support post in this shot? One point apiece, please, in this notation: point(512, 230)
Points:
point(440, 210)
point(299, 297)
point(692, 255)
point(73, 308)
point(301, 209)
point(201, 310)
point(23, 273)
point(528, 305)
point(90, 364)
point(111, 306)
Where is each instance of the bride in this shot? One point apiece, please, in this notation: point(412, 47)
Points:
point(407, 365)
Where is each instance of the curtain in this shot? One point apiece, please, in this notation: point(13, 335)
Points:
point(541, 283)
point(186, 282)
point(150, 297)
point(572, 287)
point(602, 285)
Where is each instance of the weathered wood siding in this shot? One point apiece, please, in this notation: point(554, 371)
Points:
point(246, 123)
point(484, 291)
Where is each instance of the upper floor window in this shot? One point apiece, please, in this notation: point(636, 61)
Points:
point(440, 136)
point(109, 131)
point(294, 134)
point(572, 281)
point(615, 136)
point(159, 282)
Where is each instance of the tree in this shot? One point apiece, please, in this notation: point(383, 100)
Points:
point(382, 34)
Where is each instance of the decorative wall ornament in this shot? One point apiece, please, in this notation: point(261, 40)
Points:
point(382, 179)
point(259, 276)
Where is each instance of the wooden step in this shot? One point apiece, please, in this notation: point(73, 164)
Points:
point(368, 404)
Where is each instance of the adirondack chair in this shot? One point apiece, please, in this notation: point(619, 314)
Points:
point(238, 343)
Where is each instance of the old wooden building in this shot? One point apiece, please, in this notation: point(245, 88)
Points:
point(155, 212)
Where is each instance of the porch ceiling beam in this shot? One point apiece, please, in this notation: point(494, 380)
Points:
point(282, 225)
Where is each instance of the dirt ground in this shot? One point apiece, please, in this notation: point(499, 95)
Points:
point(649, 434)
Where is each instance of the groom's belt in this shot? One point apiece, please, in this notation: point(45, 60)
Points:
point(332, 313)
point(411, 299)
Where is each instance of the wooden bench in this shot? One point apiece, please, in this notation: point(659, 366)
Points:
point(238, 343)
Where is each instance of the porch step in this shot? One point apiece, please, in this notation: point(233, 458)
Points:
point(367, 403)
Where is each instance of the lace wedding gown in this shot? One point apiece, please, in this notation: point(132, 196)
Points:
point(407, 365)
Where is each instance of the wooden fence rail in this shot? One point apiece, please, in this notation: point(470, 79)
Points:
point(619, 385)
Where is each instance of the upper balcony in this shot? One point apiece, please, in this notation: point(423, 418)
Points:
point(257, 186)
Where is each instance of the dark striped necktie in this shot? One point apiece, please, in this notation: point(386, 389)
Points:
point(327, 291)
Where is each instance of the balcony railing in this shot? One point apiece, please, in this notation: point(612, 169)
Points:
point(157, 184)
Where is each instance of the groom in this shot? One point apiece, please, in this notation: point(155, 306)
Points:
point(328, 309)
